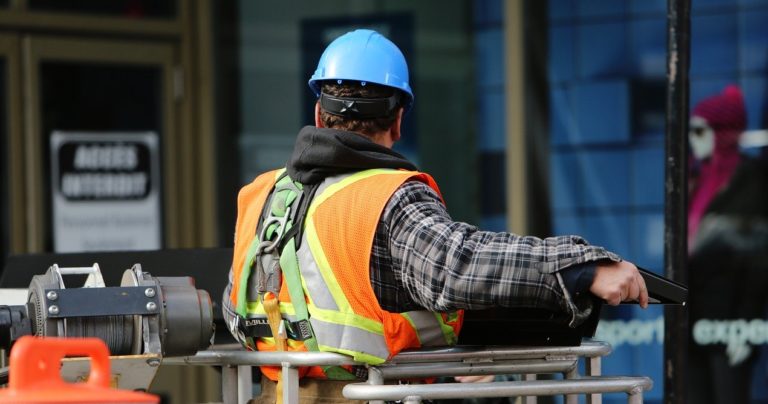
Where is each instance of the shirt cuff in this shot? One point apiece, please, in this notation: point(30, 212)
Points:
point(578, 279)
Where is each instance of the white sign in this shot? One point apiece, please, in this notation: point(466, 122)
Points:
point(106, 191)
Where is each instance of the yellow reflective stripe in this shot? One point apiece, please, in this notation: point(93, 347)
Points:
point(450, 336)
point(413, 325)
point(357, 356)
point(325, 268)
point(348, 319)
point(314, 242)
point(269, 341)
point(336, 187)
point(258, 308)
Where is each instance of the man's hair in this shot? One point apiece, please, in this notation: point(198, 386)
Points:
point(353, 90)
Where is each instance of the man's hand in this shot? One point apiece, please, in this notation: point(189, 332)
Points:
point(617, 282)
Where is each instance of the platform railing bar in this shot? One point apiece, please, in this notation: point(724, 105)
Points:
point(447, 361)
point(253, 358)
point(415, 370)
point(587, 349)
point(587, 385)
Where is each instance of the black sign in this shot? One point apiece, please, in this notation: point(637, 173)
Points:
point(111, 171)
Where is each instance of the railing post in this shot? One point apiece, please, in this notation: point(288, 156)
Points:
point(375, 378)
point(530, 399)
point(229, 388)
point(594, 368)
point(290, 384)
point(244, 384)
point(573, 373)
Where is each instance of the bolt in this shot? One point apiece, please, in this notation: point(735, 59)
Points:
point(154, 362)
point(151, 306)
point(52, 295)
point(53, 310)
point(149, 292)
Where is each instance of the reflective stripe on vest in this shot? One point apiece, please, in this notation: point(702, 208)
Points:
point(334, 261)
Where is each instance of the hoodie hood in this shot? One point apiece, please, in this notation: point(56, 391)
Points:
point(321, 152)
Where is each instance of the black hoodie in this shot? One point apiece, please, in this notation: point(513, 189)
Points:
point(320, 153)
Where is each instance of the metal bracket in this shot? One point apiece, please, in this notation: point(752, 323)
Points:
point(116, 301)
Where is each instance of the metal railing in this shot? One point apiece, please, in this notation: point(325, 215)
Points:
point(462, 360)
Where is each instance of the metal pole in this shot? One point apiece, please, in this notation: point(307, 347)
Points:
point(530, 399)
point(594, 368)
point(572, 374)
point(585, 385)
point(675, 184)
point(244, 384)
point(229, 388)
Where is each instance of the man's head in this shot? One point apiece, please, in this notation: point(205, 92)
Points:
point(362, 86)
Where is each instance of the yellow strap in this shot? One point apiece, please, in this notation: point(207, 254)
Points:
point(272, 307)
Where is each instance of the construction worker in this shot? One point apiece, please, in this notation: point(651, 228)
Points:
point(350, 249)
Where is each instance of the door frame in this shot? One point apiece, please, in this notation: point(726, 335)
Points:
point(37, 49)
point(9, 49)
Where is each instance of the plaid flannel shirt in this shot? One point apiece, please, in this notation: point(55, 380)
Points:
point(422, 259)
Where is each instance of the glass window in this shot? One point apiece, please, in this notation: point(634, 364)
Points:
point(606, 88)
point(137, 9)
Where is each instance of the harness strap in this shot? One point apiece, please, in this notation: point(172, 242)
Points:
point(289, 261)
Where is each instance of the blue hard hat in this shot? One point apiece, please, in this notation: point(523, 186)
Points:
point(365, 56)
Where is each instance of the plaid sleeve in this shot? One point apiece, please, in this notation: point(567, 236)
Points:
point(446, 265)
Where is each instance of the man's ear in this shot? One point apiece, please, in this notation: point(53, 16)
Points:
point(318, 119)
point(395, 129)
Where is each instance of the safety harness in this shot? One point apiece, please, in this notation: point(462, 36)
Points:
point(273, 257)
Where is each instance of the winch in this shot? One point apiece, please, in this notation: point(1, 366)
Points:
point(166, 316)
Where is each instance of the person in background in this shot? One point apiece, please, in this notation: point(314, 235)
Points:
point(728, 261)
point(716, 125)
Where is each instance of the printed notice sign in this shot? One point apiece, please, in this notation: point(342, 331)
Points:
point(106, 191)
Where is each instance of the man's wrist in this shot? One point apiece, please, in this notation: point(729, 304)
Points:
point(578, 279)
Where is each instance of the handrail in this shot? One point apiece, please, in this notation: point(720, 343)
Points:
point(633, 386)
point(434, 362)
point(260, 358)
point(439, 369)
point(228, 356)
point(588, 349)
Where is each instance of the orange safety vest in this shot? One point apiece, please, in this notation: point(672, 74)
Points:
point(334, 262)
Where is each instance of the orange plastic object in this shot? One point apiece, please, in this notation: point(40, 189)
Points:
point(35, 376)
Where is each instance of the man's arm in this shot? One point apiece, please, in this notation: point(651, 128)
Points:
point(447, 265)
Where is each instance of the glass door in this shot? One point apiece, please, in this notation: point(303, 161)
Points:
point(101, 145)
